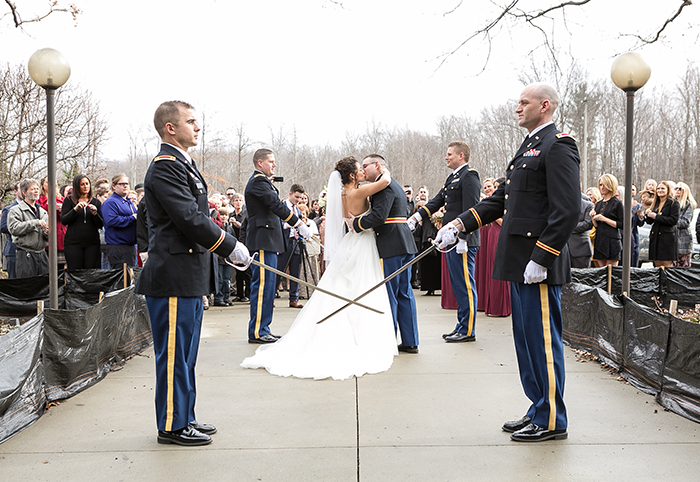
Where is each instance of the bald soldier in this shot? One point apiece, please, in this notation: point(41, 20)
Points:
point(539, 202)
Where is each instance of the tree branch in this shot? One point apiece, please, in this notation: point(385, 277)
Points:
point(684, 3)
point(53, 7)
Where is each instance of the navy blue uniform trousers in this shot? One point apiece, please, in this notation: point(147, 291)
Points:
point(461, 269)
point(537, 333)
point(262, 295)
point(176, 324)
point(403, 305)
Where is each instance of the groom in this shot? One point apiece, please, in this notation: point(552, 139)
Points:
point(396, 248)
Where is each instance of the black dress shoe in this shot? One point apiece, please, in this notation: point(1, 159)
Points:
point(535, 433)
point(263, 339)
point(220, 303)
point(205, 428)
point(459, 338)
point(205, 307)
point(243, 300)
point(408, 348)
point(445, 335)
point(515, 425)
point(187, 436)
point(275, 336)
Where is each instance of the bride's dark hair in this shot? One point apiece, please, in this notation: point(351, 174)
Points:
point(346, 166)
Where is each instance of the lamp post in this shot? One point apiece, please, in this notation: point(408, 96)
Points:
point(50, 70)
point(629, 72)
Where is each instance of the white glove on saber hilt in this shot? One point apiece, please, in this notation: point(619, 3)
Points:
point(462, 246)
point(447, 236)
point(303, 230)
point(413, 221)
point(239, 257)
point(534, 273)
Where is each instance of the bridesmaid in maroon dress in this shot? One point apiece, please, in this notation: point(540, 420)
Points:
point(496, 295)
point(482, 271)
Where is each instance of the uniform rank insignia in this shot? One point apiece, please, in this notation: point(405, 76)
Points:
point(164, 158)
point(563, 134)
point(532, 153)
point(454, 180)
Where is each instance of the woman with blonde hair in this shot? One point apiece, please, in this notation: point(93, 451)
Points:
point(594, 195)
point(685, 238)
point(607, 218)
point(663, 217)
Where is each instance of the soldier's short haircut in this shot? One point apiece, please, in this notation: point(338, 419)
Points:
point(168, 112)
point(260, 155)
point(377, 158)
point(462, 147)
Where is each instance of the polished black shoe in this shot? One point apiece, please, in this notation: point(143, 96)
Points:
point(221, 303)
point(244, 300)
point(408, 348)
point(263, 339)
point(535, 433)
point(515, 425)
point(205, 428)
point(459, 338)
point(275, 336)
point(277, 296)
point(205, 307)
point(187, 436)
point(445, 335)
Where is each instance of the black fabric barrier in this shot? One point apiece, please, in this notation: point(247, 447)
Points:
point(59, 353)
point(655, 352)
point(680, 284)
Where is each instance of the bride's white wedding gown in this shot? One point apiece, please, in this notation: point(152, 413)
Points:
point(353, 342)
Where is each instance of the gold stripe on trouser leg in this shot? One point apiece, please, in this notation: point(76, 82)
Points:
point(261, 294)
point(470, 293)
point(172, 336)
point(381, 265)
point(551, 380)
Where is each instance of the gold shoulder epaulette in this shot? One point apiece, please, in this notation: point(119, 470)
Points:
point(164, 158)
point(260, 175)
point(564, 134)
point(472, 169)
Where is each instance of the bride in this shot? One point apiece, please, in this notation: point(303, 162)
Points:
point(355, 341)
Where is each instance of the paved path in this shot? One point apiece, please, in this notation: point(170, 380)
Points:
point(435, 416)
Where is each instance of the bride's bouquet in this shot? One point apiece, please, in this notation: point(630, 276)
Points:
point(323, 199)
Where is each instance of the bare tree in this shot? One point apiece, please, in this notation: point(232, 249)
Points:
point(80, 129)
point(54, 6)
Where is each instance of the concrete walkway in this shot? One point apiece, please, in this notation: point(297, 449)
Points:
point(435, 416)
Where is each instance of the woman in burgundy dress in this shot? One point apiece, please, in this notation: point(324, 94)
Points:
point(496, 293)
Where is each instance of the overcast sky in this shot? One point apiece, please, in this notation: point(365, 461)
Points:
point(324, 68)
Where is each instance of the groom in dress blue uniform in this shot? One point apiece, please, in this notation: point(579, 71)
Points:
point(396, 248)
point(460, 192)
point(179, 271)
point(539, 202)
point(264, 236)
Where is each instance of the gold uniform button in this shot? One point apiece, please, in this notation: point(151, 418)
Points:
point(524, 165)
point(505, 211)
point(512, 167)
point(508, 181)
point(190, 251)
point(506, 196)
point(529, 235)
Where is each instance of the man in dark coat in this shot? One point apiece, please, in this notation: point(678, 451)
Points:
point(580, 247)
point(540, 203)
point(264, 236)
point(460, 192)
point(179, 271)
point(396, 248)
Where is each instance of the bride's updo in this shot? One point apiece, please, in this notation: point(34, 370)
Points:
point(346, 166)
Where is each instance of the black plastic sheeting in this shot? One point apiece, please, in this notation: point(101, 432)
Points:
point(680, 284)
point(59, 353)
point(655, 352)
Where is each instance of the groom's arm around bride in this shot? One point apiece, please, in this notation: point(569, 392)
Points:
point(396, 248)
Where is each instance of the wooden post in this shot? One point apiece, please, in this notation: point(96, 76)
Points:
point(102, 294)
point(609, 279)
point(124, 268)
point(39, 306)
point(673, 307)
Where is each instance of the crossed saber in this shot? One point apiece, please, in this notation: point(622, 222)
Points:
point(330, 293)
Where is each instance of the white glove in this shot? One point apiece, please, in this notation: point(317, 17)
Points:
point(303, 230)
point(413, 221)
point(462, 246)
point(144, 257)
point(534, 273)
point(446, 236)
point(239, 257)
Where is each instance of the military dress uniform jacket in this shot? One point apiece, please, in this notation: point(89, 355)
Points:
point(181, 234)
point(460, 192)
point(540, 203)
point(265, 209)
point(388, 218)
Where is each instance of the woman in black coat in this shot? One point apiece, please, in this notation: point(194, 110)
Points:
point(663, 217)
point(81, 215)
point(607, 218)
